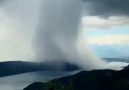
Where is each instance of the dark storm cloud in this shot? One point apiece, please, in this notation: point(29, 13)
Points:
point(58, 37)
point(107, 7)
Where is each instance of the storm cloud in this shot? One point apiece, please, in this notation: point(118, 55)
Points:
point(58, 34)
point(107, 8)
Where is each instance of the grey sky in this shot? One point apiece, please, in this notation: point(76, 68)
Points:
point(23, 16)
point(107, 7)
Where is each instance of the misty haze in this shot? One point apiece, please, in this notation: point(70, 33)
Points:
point(63, 40)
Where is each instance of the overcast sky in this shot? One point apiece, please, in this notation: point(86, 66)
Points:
point(106, 20)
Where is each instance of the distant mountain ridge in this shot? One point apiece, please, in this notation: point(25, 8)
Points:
point(117, 59)
point(17, 67)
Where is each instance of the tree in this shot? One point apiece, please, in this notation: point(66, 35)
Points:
point(58, 86)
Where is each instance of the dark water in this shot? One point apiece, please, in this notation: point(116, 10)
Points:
point(18, 82)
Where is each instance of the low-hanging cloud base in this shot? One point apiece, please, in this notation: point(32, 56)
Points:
point(59, 34)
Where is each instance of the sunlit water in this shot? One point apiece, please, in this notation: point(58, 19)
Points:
point(18, 82)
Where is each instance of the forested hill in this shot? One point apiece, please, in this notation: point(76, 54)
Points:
point(90, 80)
point(19, 67)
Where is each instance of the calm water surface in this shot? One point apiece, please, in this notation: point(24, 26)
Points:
point(18, 82)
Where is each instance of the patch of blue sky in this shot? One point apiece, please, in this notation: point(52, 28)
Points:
point(111, 51)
